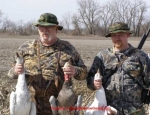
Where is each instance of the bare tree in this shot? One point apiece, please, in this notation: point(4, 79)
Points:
point(29, 29)
point(91, 18)
point(107, 17)
point(131, 12)
point(89, 14)
point(76, 25)
point(12, 30)
point(20, 28)
point(1, 15)
point(139, 16)
point(145, 26)
point(67, 20)
point(8, 26)
point(121, 9)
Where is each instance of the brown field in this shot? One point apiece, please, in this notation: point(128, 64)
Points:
point(87, 47)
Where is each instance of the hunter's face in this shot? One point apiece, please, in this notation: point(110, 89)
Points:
point(47, 33)
point(120, 39)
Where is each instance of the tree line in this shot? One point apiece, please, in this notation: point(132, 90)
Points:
point(91, 18)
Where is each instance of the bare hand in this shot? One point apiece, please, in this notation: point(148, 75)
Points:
point(97, 84)
point(111, 110)
point(18, 68)
point(69, 70)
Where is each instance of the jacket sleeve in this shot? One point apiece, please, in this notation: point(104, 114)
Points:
point(81, 69)
point(97, 64)
point(146, 69)
point(11, 73)
point(81, 72)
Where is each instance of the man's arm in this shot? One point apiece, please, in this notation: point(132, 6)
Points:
point(77, 62)
point(80, 68)
point(97, 64)
point(146, 69)
point(12, 74)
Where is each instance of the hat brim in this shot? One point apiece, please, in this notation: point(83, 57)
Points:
point(47, 24)
point(117, 31)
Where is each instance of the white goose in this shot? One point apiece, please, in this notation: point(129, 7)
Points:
point(20, 101)
point(99, 105)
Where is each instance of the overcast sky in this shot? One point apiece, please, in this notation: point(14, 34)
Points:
point(29, 10)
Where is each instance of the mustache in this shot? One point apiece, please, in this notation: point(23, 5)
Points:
point(45, 33)
point(118, 41)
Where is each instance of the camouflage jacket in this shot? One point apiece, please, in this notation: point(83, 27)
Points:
point(49, 59)
point(122, 92)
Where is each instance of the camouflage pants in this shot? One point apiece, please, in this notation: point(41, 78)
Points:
point(138, 112)
point(41, 96)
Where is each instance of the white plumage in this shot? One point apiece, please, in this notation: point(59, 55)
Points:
point(20, 102)
point(99, 105)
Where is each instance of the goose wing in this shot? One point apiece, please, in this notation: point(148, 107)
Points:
point(33, 109)
point(12, 103)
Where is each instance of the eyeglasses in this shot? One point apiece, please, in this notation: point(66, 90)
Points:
point(41, 28)
point(120, 34)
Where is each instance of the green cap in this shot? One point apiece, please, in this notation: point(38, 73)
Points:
point(118, 27)
point(48, 19)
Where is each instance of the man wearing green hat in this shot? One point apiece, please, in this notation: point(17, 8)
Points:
point(119, 66)
point(44, 59)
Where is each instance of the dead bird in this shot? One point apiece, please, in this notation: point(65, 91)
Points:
point(20, 103)
point(65, 102)
point(99, 105)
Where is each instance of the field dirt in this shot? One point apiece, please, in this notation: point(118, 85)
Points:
point(87, 46)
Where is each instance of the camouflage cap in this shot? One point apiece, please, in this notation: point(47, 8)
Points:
point(48, 19)
point(118, 27)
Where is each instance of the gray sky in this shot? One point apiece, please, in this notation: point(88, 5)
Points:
point(29, 10)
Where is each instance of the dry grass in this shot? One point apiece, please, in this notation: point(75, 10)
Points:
point(87, 47)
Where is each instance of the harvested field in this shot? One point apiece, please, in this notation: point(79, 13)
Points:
point(87, 47)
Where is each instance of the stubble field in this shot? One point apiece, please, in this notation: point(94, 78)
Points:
point(87, 47)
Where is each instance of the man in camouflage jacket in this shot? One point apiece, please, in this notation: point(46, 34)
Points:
point(44, 59)
point(117, 65)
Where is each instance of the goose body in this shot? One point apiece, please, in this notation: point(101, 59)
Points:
point(99, 105)
point(66, 99)
point(20, 103)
